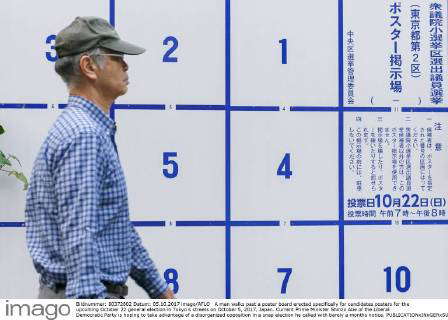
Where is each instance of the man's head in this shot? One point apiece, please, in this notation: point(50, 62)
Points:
point(90, 52)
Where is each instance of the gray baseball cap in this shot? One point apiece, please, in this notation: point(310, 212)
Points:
point(86, 33)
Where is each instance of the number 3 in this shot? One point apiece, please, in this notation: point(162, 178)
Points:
point(51, 55)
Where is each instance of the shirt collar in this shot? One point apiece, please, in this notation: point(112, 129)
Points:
point(94, 112)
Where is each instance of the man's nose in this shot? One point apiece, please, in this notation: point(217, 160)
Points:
point(125, 66)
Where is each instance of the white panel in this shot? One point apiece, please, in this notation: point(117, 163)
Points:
point(198, 190)
point(311, 253)
point(423, 250)
point(196, 253)
point(25, 133)
point(18, 276)
point(396, 160)
point(27, 76)
point(198, 75)
point(310, 76)
point(260, 141)
point(370, 22)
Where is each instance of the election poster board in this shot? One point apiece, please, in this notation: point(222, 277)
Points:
point(272, 149)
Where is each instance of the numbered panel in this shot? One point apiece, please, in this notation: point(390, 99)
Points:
point(395, 166)
point(185, 60)
point(397, 262)
point(284, 166)
point(192, 260)
point(278, 59)
point(23, 284)
point(404, 61)
point(27, 65)
point(285, 262)
point(22, 139)
point(174, 163)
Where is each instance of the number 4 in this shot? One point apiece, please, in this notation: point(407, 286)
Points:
point(284, 169)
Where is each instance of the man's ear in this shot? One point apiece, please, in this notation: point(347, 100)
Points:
point(88, 68)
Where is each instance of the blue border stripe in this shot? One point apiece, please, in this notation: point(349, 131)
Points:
point(341, 147)
point(294, 108)
point(15, 224)
point(200, 107)
point(228, 149)
point(149, 223)
point(367, 109)
point(255, 108)
point(139, 106)
point(255, 223)
point(422, 109)
point(367, 222)
point(300, 223)
point(424, 222)
point(200, 223)
point(23, 106)
point(112, 12)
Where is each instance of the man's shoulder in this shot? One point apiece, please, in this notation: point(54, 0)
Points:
point(72, 123)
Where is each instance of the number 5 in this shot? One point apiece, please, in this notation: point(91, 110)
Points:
point(167, 161)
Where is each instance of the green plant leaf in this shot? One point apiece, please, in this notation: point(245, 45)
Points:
point(2, 131)
point(3, 160)
point(21, 177)
point(15, 158)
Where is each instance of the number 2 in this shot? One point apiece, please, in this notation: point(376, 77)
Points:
point(166, 57)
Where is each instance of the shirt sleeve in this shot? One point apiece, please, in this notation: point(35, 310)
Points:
point(77, 175)
point(143, 269)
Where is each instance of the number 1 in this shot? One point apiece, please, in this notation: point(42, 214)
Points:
point(284, 44)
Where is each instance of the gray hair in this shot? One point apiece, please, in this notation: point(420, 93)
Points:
point(68, 67)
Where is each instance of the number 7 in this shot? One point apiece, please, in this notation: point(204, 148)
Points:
point(287, 272)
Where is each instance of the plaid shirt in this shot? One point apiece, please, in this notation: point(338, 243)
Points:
point(77, 219)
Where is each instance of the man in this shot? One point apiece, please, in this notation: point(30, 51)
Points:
point(79, 233)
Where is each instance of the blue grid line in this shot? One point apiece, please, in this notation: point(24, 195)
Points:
point(237, 223)
point(424, 222)
point(23, 106)
point(367, 222)
point(149, 223)
point(254, 108)
point(300, 223)
point(200, 107)
point(112, 12)
point(139, 106)
point(227, 152)
point(423, 109)
point(200, 223)
point(15, 224)
point(341, 147)
point(296, 108)
point(367, 109)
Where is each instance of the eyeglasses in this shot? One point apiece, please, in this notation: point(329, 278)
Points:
point(121, 56)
